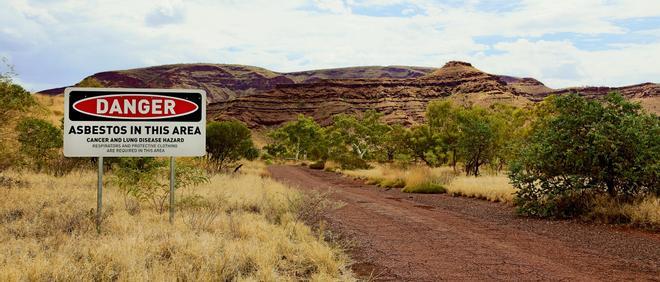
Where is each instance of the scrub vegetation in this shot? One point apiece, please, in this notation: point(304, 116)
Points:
point(566, 157)
point(230, 224)
point(240, 226)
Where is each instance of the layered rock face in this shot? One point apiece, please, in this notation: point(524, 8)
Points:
point(400, 100)
point(260, 97)
point(224, 82)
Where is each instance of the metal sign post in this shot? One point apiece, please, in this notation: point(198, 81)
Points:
point(99, 195)
point(172, 179)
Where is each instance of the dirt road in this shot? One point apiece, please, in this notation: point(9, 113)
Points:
point(406, 237)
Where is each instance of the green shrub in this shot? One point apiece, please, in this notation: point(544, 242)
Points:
point(350, 162)
point(39, 141)
point(14, 99)
point(228, 142)
point(582, 148)
point(425, 188)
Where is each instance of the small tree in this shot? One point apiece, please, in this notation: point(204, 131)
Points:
point(582, 147)
point(39, 141)
point(426, 145)
point(364, 134)
point(512, 126)
point(442, 119)
point(395, 143)
point(478, 138)
point(300, 138)
point(228, 142)
point(14, 100)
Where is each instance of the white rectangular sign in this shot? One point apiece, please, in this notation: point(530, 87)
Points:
point(132, 122)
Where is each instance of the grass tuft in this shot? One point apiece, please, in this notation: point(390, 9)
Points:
point(416, 179)
point(644, 212)
point(425, 188)
point(491, 188)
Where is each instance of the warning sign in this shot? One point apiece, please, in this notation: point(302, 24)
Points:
point(123, 122)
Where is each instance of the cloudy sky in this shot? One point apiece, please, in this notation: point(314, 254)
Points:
point(54, 43)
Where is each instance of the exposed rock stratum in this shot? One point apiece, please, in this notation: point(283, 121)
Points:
point(260, 97)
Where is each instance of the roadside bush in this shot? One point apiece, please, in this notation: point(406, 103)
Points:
point(349, 161)
point(13, 98)
point(39, 141)
point(583, 148)
point(227, 142)
point(15, 101)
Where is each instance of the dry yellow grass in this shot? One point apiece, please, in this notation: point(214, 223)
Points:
point(237, 227)
point(648, 210)
point(392, 176)
point(644, 212)
point(492, 188)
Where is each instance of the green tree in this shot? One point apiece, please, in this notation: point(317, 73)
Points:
point(477, 142)
point(395, 143)
point(582, 147)
point(227, 142)
point(364, 134)
point(300, 138)
point(39, 141)
point(512, 125)
point(442, 117)
point(14, 99)
point(426, 144)
point(14, 102)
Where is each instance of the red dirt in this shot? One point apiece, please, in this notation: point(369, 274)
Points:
point(414, 237)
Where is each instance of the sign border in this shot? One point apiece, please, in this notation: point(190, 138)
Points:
point(146, 91)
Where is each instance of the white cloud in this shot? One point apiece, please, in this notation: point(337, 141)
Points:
point(335, 6)
point(168, 12)
point(58, 42)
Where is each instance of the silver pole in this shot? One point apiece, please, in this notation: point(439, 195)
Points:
point(172, 189)
point(99, 195)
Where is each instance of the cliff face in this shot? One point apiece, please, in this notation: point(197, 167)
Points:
point(225, 82)
point(400, 100)
point(260, 97)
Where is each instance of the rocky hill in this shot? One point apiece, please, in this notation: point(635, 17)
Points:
point(260, 97)
point(224, 82)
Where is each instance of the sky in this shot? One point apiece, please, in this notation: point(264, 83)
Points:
point(54, 43)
